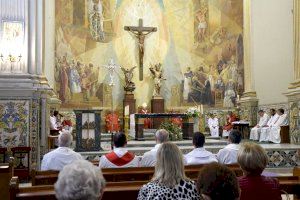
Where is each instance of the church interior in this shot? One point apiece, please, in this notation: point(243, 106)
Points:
point(112, 81)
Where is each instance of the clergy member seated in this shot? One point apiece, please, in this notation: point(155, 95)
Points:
point(63, 155)
point(228, 155)
point(274, 132)
point(213, 124)
point(149, 158)
point(253, 160)
point(80, 180)
point(199, 155)
point(169, 180)
point(120, 156)
point(228, 127)
point(264, 130)
point(263, 120)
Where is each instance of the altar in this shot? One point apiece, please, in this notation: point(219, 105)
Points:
point(187, 126)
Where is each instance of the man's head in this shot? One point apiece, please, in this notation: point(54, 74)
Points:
point(120, 140)
point(235, 137)
point(261, 113)
point(161, 136)
point(55, 113)
point(79, 180)
point(280, 111)
point(272, 111)
point(198, 140)
point(65, 139)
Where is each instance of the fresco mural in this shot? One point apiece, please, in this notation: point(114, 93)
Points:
point(198, 42)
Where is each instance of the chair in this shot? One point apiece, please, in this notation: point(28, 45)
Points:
point(21, 170)
point(112, 122)
point(6, 173)
point(51, 141)
point(2, 154)
point(285, 134)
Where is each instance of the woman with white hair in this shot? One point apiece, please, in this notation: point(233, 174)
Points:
point(79, 181)
point(169, 180)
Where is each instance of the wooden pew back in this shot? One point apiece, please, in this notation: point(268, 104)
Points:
point(6, 173)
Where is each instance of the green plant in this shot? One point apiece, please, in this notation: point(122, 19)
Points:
point(173, 129)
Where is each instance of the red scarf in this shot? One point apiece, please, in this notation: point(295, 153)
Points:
point(119, 161)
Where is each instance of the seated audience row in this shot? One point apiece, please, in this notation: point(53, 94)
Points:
point(82, 180)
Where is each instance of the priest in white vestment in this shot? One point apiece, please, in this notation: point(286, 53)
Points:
point(264, 137)
point(149, 157)
point(228, 155)
point(199, 155)
point(54, 125)
point(120, 157)
point(263, 120)
point(274, 132)
point(213, 124)
point(63, 155)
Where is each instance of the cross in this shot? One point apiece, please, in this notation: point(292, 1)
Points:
point(140, 32)
point(112, 69)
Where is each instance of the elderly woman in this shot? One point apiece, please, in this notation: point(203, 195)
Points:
point(79, 180)
point(218, 182)
point(253, 160)
point(169, 180)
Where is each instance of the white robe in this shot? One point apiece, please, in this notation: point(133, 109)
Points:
point(200, 156)
point(255, 131)
point(105, 163)
point(274, 132)
point(228, 155)
point(213, 125)
point(53, 123)
point(58, 158)
point(264, 136)
point(149, 157)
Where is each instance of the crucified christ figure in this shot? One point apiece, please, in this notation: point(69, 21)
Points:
point(140, 33)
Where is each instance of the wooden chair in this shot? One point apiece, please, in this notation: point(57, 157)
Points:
point(51, 141)
point(285, 134)
point(6, 173)
point(2, 154)
point(20, 170)
point(112, 122)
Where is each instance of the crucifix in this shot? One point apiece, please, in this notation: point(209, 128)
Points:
point(140, 33)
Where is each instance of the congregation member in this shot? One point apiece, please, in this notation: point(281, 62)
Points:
point(80, 180)
point(63, 155)
point(274, 131)
point(199, 155)
point(149, 158)
point(228, 155)
point(169, 180)
point(264, 130)
point(218, 182)
point(253, 160)
point(213, 124)
point(229, 126)
point(263, 120)
point(120, 156)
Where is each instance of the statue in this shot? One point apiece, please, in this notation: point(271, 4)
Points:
point(156, 72)
point(129, 85)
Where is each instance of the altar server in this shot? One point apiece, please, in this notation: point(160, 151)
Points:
point(274, 132)
point(263, 120)
point(63, 155)
point(264, 137)
point(213, 124)
point(120, 157)
point(199, 155)
point(228, 155)
point(54, 123)
point(228, 127)
point(149, 158)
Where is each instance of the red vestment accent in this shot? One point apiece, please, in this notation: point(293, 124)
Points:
point(119, 161)
point(229, 125)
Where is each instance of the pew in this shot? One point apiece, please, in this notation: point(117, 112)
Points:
point(290, 184)
point(6, 173)
point(123, 174)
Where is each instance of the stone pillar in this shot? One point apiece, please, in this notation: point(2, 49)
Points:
point(31, 23)
point(293, 92)
point(248, 102)
point(39, 37)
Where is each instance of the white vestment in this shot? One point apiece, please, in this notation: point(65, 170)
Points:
point(105, 163)
point(255, 131)
point(228, 155)
point(200, 156)
point(264, 137)
point(213, 125)
point(149, 157)
point(58, 158)
point(274, 131)
point(53, 123)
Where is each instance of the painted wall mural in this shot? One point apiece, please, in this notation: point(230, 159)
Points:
point(14, 123)
point(198, 42)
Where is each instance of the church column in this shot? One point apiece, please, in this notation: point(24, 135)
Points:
point(39, 37)
point(32, 7)
point(293, 92)
point(248, 102)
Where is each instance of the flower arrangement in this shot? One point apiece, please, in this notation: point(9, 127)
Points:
point(173, 129)
point(193, 112)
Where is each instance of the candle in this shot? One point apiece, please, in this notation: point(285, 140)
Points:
point(202, 111)
point(238, 97)
point(126, 111)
